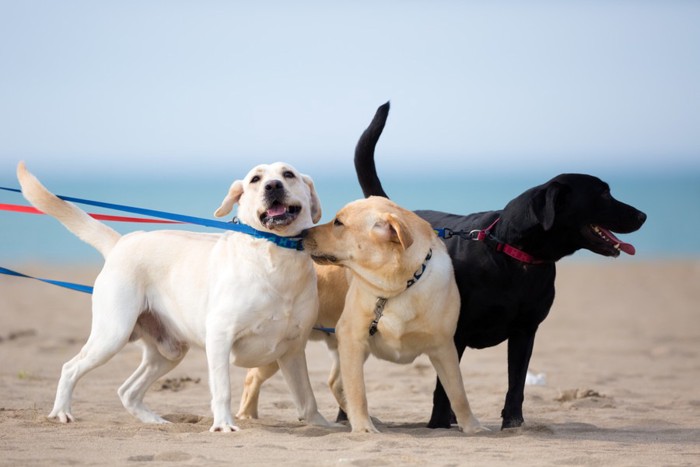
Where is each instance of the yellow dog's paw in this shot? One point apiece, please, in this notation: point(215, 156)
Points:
point(365, 428)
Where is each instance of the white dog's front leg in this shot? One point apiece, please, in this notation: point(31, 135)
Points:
point(218, 348)
point(296, 373)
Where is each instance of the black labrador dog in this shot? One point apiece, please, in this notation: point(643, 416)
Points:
point(504, 261)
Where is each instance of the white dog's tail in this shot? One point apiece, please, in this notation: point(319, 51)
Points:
point(93, 232)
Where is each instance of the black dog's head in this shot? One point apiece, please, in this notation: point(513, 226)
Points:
point(570, 212)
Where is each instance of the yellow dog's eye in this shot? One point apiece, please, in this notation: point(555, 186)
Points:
point(337, 222)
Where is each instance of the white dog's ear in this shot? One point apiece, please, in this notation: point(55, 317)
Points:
point(234, 194)
point(315, 202)
point(393, 229)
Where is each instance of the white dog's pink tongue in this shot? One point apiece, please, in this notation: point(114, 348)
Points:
point(277, 210)
point(619, 244)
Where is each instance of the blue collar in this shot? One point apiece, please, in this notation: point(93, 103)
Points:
point(293, 243)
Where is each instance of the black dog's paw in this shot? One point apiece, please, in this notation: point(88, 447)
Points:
point(342, 416)
point(512, 422)
point(437, 423)
point(440, 421)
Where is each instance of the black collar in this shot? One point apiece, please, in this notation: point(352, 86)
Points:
point(381, 301)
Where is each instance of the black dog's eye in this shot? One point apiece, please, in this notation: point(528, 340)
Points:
point(255, 179)
point(606, 195)
point(289, 174)
point(337, 222)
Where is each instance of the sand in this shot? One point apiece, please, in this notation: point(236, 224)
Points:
point(620, 350)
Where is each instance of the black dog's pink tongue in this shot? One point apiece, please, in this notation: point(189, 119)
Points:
point(276, 210)
point(619, 244)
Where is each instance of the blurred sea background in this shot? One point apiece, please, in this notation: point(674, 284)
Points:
point(162, 104)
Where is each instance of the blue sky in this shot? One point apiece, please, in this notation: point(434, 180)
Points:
point(198, 87)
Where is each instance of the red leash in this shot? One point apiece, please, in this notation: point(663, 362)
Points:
point(507, 249)
point(102, 217)
point(485, 234)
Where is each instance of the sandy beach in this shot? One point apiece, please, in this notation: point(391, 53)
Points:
point(620, 351)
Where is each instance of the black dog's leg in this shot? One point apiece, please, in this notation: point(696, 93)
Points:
point(342, 416)
point(519, 352)
point(442, 415)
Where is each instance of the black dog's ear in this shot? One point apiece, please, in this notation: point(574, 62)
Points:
point(544, 204)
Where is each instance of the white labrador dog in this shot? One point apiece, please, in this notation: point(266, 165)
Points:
point(241, 298)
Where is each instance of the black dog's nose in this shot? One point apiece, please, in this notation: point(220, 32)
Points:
point(642, 217)
point(273, 185)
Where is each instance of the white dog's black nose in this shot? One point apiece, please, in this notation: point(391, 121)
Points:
point(273, 185)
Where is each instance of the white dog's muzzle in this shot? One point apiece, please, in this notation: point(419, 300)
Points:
point(278, 213)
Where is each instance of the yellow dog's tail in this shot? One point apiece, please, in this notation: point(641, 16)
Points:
point(89, 230)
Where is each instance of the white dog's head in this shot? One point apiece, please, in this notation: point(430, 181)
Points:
point(276, 198)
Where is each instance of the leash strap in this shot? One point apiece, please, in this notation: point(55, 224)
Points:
point(101, 217)
point(67, 285)
point(293, 243)
point(485, 234)
point(87, 289)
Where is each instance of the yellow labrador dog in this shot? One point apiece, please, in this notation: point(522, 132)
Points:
point(332, 285)
point(240, 297)
point(402, 300)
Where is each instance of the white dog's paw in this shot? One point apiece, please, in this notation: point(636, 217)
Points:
point(224, 428)
point(154, 419)
point(62, 416)
point(318, 420)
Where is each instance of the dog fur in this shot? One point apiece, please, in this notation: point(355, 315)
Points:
point(502, 298)
point(383, 246)
point(241, 298)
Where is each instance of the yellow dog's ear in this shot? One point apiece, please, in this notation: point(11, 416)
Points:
point(393, 229)
point(314, 201)
point(234, 194)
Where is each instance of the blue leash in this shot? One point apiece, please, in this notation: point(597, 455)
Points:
point(87, 289)
point(293, 243)
point(67, 285)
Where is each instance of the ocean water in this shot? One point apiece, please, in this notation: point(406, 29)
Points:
point(671, 201)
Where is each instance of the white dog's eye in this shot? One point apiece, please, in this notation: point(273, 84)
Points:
point(255, 179)
point(289, 174)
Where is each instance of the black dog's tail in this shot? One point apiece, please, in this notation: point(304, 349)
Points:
point(364, 154)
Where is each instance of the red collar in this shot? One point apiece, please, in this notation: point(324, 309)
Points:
point(485, 234)
point(520, 255)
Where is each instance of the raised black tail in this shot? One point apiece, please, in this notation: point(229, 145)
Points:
point(364, 154)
